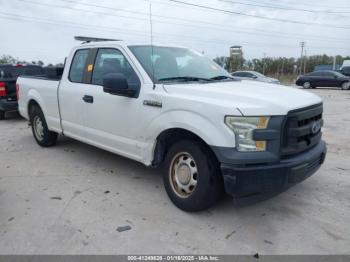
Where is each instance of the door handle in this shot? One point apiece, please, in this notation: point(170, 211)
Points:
point(88, 99)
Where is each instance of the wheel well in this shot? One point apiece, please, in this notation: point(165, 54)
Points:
point(31, 104)
point(169, 137)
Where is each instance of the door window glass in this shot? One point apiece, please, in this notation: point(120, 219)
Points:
point(110, 60)
point(77, 69)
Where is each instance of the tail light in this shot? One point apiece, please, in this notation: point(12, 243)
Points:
point(2, 89)
point(17, 91)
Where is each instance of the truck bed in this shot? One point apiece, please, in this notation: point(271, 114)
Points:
point(29, 89)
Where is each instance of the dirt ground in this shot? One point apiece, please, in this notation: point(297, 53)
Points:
point(71, 199)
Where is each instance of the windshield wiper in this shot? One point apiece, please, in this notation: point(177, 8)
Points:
point(185, 78)
point(221, 77)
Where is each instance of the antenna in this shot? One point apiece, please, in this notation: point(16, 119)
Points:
point(151, 26)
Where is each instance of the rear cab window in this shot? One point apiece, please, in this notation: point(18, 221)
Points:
point(78, 66)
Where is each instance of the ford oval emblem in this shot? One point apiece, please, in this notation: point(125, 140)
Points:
point(316, 127)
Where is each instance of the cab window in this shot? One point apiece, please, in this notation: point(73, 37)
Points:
point(78, 66)
point(109, 60)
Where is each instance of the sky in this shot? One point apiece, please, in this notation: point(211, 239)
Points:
point(35, 30)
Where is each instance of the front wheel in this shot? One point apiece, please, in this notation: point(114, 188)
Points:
point(43, 136)
point(2, 115)
point(345, 86)
point(307, 85)
point(192, 177)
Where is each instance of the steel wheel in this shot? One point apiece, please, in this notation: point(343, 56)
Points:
point(183, 174)
point(38, 128)
point(307, 85)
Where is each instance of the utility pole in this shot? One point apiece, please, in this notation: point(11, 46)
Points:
point(334, 62)
point(305, 61)
point(264, 64)
point(302, 45)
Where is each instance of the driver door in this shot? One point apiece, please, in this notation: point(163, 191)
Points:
point(111, 121)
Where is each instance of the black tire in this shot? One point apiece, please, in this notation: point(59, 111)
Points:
point(46, 137)
point(2, 115)
point(345, 86)
point(209, 186)
point(307, 85)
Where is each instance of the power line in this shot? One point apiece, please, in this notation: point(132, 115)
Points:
point(17, 17)
point(257, 16)
point(286, 8)
point(217, 26)
point(304, 3)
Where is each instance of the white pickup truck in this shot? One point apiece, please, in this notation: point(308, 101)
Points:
point(172, 107)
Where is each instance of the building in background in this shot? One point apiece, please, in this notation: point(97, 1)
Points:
point(236, 58)
point(327, 67)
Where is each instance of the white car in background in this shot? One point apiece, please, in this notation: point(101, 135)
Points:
point(255, 76)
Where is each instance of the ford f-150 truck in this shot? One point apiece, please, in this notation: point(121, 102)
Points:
point(174, 108)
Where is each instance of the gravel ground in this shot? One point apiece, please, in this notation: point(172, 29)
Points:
point(77, 199)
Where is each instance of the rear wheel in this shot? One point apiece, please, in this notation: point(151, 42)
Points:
point(192, 177)
point(345, 86)
point(307, 85)
point(43, 136)
point(2, 115)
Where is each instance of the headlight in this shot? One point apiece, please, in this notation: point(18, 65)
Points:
point(243, 128)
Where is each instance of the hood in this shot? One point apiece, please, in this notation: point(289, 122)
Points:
point(250, 97)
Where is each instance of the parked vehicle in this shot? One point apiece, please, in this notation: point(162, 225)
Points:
point(8, 77)
point(174, 108)
point(256, 76)
point(324, 78)
point(345, 70)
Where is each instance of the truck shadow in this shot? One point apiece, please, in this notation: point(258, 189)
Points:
point(150, 177)
point(13, 117)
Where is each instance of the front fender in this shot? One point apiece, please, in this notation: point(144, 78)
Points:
point(213, 133)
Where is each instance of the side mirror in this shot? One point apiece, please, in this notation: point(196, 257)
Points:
point(117, 84)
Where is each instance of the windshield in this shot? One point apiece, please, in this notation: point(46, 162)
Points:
point(177, 64)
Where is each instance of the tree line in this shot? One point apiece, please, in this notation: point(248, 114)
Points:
point(279, 66)
point(8, 59)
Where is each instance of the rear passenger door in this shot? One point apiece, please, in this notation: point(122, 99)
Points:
point(112, 121)
point(71, 91)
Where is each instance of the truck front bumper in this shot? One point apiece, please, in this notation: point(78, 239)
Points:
point(252, 179)
point(8, 105)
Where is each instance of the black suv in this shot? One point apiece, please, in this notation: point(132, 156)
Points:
point(345, 70)
point(8, 77)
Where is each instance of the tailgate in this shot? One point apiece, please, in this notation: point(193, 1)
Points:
point(10, 86)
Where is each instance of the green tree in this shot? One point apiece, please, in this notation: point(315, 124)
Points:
point(7, 59)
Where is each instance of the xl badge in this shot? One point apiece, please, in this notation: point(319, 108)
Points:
point(316, 127)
